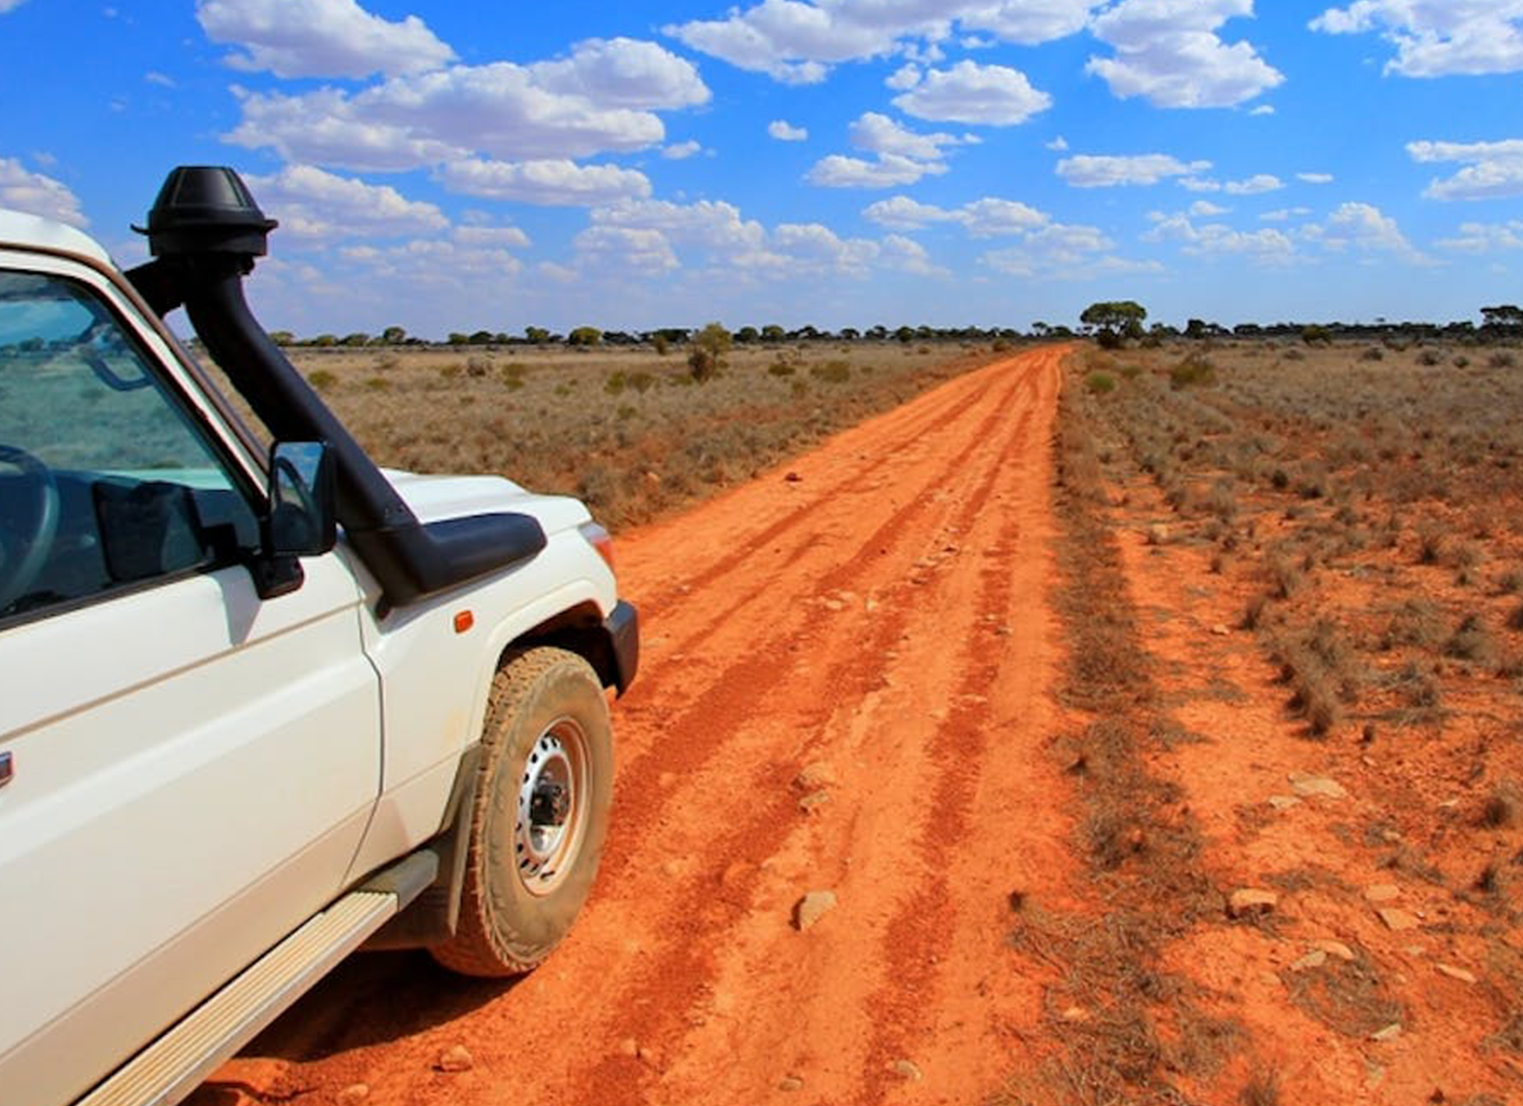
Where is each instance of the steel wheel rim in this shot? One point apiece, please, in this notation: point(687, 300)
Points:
point(552, 807)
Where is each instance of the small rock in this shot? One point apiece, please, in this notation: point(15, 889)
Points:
point(1283, 802)
point(1314, 959)
point(793, 478)
point(353, 1094)
point(1389, 1033)
point(1317, 786)
point(629, 1047)
point(1382, 892)
point(1397, 919)
point(1249, 901)
point(1334, 948)
point(1220, 630)
point(1456, 973)
point(653, 478)
point(456, 1058)
point(1415, 951)
point(1157, 534)
point(790, 1083)
point(834, 605)
point(814, 776)
point(811, 908)
point(812, 800)
point(1076, 1014)
point(907, 1069)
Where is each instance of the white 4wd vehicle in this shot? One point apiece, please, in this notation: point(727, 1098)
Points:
point(258, 707)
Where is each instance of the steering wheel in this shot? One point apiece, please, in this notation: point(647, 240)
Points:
point(34, 530)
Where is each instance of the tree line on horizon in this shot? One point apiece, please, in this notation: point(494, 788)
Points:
point(1110, 322)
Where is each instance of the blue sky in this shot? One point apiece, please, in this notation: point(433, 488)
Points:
point(828, 162)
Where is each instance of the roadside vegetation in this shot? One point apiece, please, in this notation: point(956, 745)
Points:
point(633, 430)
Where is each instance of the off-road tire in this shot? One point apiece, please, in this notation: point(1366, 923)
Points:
point(541, 698)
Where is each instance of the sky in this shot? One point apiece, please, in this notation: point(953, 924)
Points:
point(633, 165)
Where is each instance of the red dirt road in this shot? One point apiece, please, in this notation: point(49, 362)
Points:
point(845, 688)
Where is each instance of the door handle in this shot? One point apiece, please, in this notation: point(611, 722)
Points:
point(7, 769)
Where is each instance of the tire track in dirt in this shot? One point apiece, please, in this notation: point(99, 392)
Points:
point(893, 626)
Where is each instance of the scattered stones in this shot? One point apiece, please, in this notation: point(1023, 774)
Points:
point(1314, 959)
point(1389, 1033)
point(1075, 1014)
point(793, 478)
point(790, 1083)
point(1334, 948)
point(907, 1070)
point(1456, 973)
point(811, 908)
point(1220, 630)
point(1283, 802)
point(1397, 919)
point(353, 1094)
point(1322, 787)
point(1249, 902)
point(834, 605)
point(1157, 534)
point(1382, 892)
point(455, 1058)
point(814, 776)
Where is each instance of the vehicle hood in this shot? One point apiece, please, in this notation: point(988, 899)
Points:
point(436, 498)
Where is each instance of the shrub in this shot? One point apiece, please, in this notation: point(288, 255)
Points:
point(1461, 362)
point(1501, 359)
point(321, 379)
point(832, 372)
point(478, 366)
point(614, 385)
point(1100, 383)
point(781, 368)
point(1374, 353)
point(1472, 642)
point(1193, 371)
point(709, 347)
point(641, 382)
point(1429, 357)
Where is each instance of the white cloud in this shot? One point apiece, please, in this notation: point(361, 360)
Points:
point(881, 135)
point(1263, 109)
point(1205, 209)
point(1058, 144)
point(908, 256)
point(901, 156)
point(10, 5)
point(797, 41)
point(1169, 52)
point(553, 182)
point(625, 249)
point(986, 218)
point(904, 78)
point(1064, 252)
point(1285, 214)
point(163, 80)
point(506, 237)
point(1437, 38)
point(888, 170)
point(1493, 170)
point(1363, 228)
point(623, 73)
point(681, 151)
point(312, 203)
point(1486, 238)
point(784, 131)
point(1269, 247)
point(1094, 171)
point(994, 95)
point(1200, 184)
point(36, 194)
point(500, 110)
point(1315, 178)
point(1253, 186)
point(320, 38)
point(713, 225)
point(814, 248)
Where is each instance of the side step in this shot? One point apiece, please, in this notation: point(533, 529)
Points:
point(175, 1064)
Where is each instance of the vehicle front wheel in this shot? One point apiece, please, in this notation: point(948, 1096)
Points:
point(540, 817)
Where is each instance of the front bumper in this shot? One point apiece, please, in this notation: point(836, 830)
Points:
point(623, 629)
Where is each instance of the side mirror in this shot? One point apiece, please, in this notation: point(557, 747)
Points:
point(303, 521)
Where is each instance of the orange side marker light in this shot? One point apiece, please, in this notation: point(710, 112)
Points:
point(464, 620)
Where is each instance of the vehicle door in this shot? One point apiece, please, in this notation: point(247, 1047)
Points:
point(186, 769)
